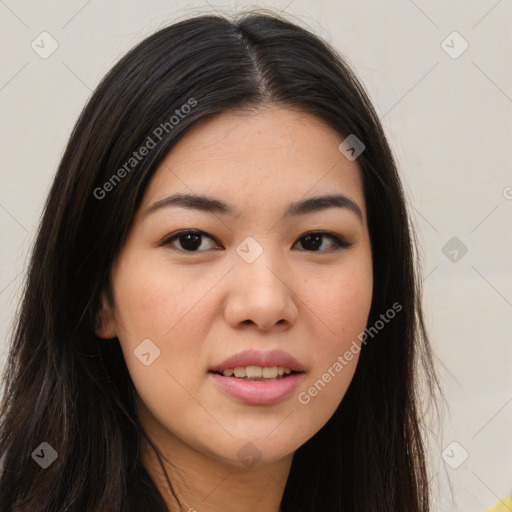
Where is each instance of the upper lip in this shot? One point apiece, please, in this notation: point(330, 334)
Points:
point(256, 358)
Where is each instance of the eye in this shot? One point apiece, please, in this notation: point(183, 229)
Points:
point(313, 240)
point(191, 241)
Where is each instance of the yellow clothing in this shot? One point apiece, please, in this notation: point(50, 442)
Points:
point(504, 505)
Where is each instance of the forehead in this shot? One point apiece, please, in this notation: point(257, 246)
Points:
point(254, 159)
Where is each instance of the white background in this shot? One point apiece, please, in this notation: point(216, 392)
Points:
point(448, 121)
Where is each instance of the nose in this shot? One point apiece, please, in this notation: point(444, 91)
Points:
point(260, 293)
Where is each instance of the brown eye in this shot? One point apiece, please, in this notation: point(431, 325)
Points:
point(312, 241)
point(188, 241)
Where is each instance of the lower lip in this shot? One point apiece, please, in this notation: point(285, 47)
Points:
point(258, 392)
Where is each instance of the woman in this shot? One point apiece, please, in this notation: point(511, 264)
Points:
point(223, 308)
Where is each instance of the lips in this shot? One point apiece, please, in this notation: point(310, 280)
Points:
point(262, 359)
point(259, 391)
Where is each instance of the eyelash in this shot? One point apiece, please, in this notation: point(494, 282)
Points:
point(338, 241)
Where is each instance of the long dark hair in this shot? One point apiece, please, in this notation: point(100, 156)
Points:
point(66, 387)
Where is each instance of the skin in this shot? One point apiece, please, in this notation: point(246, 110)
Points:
point(200, 307)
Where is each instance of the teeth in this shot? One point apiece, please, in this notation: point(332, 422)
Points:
point(254, 371)
point(270, 372)
point(257, 372)
point(240, 372)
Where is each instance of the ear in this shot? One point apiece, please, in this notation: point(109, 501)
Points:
point(105, 323)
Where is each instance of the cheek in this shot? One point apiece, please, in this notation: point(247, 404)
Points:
point(171, 310)
point(339, 314)
point(341, 303)
point(167, 307)
point(350, 303)
point(342, 313)
point(154, 300)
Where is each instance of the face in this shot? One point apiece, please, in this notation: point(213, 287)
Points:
point(244, 283)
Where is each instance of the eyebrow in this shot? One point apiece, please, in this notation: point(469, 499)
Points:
point(212, 205)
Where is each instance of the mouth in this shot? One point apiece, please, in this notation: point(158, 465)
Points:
point(257, 390)
point(256, 378)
